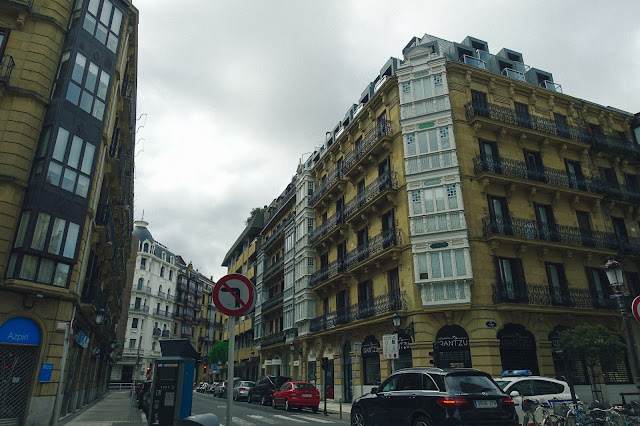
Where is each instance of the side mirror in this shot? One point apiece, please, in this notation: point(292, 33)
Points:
point(513, 394)
point(374, 390)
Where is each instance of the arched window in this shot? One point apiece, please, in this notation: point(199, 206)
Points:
point(168, 292)
point(371, 360)
point(140, 283)
point(405, 357)
point(518, 349)
point(145, 248)
point(164, 256)
point(453, 343)
point(162, 271)
point(160, 290)
point(576, 365)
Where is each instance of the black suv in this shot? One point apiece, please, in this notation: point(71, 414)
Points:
point(263, 389)
point(435, 397)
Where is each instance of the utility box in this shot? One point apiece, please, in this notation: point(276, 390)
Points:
point(172, 388)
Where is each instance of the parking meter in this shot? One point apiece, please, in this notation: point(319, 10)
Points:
point(172, 383)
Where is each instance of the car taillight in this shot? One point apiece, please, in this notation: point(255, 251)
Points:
point(452, 402)
point(243, 388)
point(508, 402)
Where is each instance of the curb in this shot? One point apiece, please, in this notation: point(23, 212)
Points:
point(69, 417)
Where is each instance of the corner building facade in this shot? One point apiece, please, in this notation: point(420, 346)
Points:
point(67, 124)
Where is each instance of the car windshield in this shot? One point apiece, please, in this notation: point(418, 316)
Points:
point(246, 384)
point(503, 383)
point(304, 386)
point(280, 380)
point(471, 384)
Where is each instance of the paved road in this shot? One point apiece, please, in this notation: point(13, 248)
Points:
point(255, 414)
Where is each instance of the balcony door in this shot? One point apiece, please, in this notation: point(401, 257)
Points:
point(365, 299)
point(561, 125)
point(479, 103)
point(620, 229)
point(574, 173)
point(500, 219)
point(384, 167)
point(598, 287)
point(584, 225)
point(546, 223)
point(535, 168)
point(558, 287)
point(342, 307)
point(511, 284)
point(363, 243)
point(387, 229)
point(522, 115)
point(489, 156)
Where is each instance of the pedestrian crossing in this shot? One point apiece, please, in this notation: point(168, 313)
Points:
point(276, 419)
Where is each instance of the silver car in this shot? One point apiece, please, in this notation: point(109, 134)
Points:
point(241, 390)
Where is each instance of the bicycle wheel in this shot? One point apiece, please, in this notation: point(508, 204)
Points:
point(614, 421)
point(553, 420)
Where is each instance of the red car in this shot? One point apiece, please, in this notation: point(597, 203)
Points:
point(296, 395)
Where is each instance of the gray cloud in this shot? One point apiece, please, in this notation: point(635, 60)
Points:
point(235, 92)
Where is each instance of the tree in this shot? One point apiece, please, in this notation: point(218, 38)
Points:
point(254, 211)
point(220, 352)
point(593, 344)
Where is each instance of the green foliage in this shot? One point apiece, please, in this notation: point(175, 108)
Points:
point(592, 343)
point(219, 352)
point(254, 211)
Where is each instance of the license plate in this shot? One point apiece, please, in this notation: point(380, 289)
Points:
point(306, 395)
point(485, 403)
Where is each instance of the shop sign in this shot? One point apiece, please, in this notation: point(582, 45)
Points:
point(82, 339)
point(370, 346)
point(268, 362)
point(45, 372)
point(453, 342)
point(19, 330)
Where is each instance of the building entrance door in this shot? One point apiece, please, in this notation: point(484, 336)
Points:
point(347, 390)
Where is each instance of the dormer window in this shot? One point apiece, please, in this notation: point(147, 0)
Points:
point(145, 248)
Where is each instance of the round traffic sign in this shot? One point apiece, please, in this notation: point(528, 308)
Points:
point(234, 295)
point(635, 308)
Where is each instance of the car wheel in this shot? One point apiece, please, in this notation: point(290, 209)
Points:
point(235, 396)
point(421, 421)
point(264, 400)
point(357, 417)
point(287, 407)
point(273, 403)
point(248, 398)
point(314, 409)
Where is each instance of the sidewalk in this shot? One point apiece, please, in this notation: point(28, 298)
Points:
point(333, 406)
point(116, 408)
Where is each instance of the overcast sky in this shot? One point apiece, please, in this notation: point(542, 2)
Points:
point(231, 94)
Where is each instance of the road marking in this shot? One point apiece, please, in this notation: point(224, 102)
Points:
point(318, 420)
point(239, 421)
point(263, 419)
point(295, 419)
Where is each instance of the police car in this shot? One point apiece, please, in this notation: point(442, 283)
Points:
point(520, 384)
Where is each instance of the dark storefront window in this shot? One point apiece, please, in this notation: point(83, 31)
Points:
point(518, 349)
point(453, 342)
point(371, 361)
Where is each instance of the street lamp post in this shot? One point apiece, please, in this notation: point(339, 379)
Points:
point(613, 270)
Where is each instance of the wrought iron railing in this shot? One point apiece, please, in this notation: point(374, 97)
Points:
point(273, 268)
point(323, 274)
point(386, 239)
point(552, 127)
point(6, 67)
point(389, 302)
point(326, 227)
point(162, 294)
point(333, 177)
point(94, 294)
point(272, 339)
point(143, 288)
point(570, 235)
point(283, 200)
point(556, 177)
point(278, 231)
point(382, 129)
point(139, 308)
point(27, 3)
point(161, 313)
point(388, 180)
point(546, 295)
point(166, 333)
point(157, 332)
point(273, 301)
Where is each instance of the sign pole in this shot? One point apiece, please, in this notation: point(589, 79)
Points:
point(230, 373)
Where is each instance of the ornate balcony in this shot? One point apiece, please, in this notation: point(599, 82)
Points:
point(272, 269)
point(370, 143)
point(555, 177)
point(273, 301)
point(561, 234)
point(166, 334)
point(333, 177)
point(273, 339)
point(389, 302)
point(546, 295)
point(162, 294)
point(327, 228)
point(157, 332)
point(275, 236)
point(163, 314)
point(137, 308)
point(143, 289)
point(544, 125)
point(373, 248)
point(372, 194)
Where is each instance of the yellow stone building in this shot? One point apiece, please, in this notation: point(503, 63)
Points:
point(67, 122)
point(463, 201)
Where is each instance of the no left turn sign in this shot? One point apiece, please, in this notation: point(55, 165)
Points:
point(234, 295)
point(635, 308)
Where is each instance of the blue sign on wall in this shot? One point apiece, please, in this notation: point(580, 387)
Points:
point(492, 324)
point(45, 372)
point(23, 331)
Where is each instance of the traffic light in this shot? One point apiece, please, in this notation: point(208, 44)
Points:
point(435, 355)
point(149, 371)
point(324, 363)
point(205, 369)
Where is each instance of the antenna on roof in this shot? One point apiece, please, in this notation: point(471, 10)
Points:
point(142, 214)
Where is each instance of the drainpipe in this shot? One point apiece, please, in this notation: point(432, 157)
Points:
point(63, 363)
